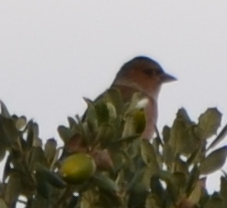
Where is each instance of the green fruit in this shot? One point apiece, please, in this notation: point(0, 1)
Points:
point(139, 119)
point(77, 168)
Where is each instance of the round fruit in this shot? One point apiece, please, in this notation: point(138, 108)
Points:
point(77, 168)
point(139, 120)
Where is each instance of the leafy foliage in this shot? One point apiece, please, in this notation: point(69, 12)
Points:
point(130, 171)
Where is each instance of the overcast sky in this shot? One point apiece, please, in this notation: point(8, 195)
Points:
point(53, 53)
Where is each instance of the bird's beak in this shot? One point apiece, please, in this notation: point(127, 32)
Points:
point(168, 78)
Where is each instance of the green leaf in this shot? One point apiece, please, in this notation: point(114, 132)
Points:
point(2, 203)
point(128, 128)
point(223, 189)
point(50, 149)
point(37, 142)
point(35, 128)
point(113, 96)
point(195, 195)
point(32, 138)
point(148, 173)
point(209, 123)
point(7, 168)
point(105, 134)
point(43, 187)
point(192, 180)
point(65, 133)
point(171, 189)
point(215, 202)
point(136, 98)
point(30, 134)
point(4, 111)
point(104, 183)
point(180, 165)
point(152, 201)
point(179, 180)
point(106, 199)
point(128, 139)
point(183, 115)
point(219, 138)
point(13, 188)
point(50, 177)
point(136, 179)
point(214, 161)
point(2, 152)
point(112, 111)
point(36, 156)
point(39, 201)
point(182, 139)
point(9, 129)
point(148, 154)
point(4, 141)
point(102, 112)
point(157, 187)
point(20, 122)
point(138, 196)
point(196, 156)
point(72, 122)
point(90, 115)
point(168, 155)
point(166, 134)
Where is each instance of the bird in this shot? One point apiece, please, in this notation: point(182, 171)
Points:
point(145, 76)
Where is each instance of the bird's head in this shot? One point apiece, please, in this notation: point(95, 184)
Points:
point(144, 74)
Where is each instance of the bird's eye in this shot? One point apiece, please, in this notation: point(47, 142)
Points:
point(152, 72)
point(148, 72)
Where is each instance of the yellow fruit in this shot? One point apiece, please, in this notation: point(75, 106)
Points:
point(139, 120)
point(77, 168)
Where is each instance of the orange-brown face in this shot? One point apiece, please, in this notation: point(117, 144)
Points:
point(145, 73)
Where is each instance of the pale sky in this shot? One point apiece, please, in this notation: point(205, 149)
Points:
point(53, 53)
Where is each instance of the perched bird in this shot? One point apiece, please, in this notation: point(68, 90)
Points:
point(146, 76)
